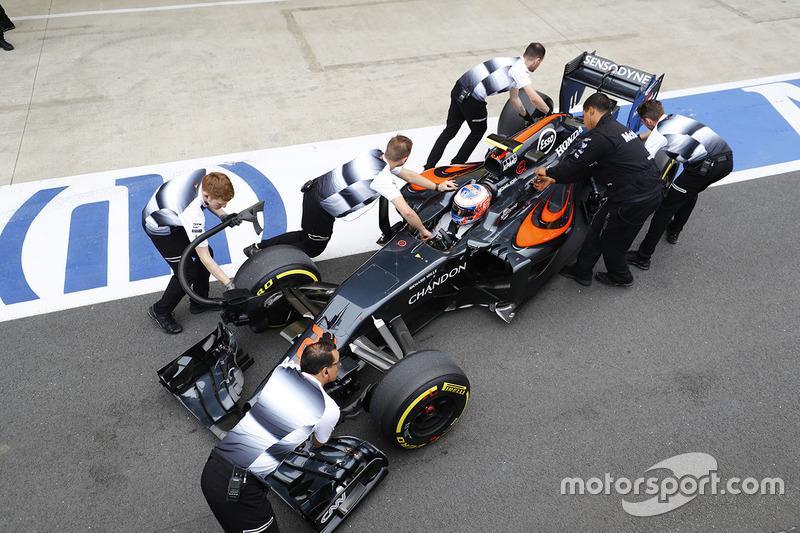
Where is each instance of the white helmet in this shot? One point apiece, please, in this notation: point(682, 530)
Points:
point(470, 203)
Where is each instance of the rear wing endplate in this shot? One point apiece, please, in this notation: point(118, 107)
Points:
point(618, 81)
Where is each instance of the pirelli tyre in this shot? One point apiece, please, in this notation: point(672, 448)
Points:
point(265, 274)
point(419, 399)
point(510, 122)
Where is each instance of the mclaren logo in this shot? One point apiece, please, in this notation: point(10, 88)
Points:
point(547, 140)
point(432, 284)
point(339, 501)
point(563, 148)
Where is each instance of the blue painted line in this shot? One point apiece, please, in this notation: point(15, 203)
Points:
point(145, 261)
point(87, 251)
point(14, 287)
point(218, 242)
point(758, 134)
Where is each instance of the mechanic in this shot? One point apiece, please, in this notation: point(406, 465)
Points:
point(617, 159)
point(291, 406)
point(468, 99)
point(706, 159)
point(349, 188)
point(172, 218)
point(5, 25)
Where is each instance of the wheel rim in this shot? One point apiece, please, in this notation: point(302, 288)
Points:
point(433, 417)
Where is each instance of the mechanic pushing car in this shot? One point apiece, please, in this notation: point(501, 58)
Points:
point(617, 159)
point(172, 218)
point(706, 159)
point(291, 407)
point(468, 99)
point(350, 187)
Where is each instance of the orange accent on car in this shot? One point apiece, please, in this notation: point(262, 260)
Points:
point(527, 133)
point(549, 216)
point(433, 177)
point(532, 232)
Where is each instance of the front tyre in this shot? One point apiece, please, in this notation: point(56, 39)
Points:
point(265, 275)
point(419, 399)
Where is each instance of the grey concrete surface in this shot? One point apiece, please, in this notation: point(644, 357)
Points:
point(700, 355)
point(99, 92)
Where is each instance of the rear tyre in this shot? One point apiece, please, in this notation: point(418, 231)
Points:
point(510, 122)
point(265, 274)
point(419, 399)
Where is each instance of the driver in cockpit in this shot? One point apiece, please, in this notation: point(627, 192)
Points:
point(469, 205)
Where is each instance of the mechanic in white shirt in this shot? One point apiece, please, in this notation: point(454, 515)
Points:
point(173, 217)
point(292, 407)
point(706, 158)
point(468, 99)
point(350, 187)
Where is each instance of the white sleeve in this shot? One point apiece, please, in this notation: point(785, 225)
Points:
point(519, 73)
point(324, 428)
point(655, 141)
point(384, 183)
point(194, 221)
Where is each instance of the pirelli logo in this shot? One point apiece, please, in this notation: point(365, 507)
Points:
point(458, 389)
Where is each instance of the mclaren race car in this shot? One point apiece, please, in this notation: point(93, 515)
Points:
point(497, 241)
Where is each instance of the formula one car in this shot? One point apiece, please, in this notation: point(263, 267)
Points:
point(497, 241)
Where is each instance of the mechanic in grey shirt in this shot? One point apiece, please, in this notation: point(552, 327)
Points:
point(175, 216)
point(292, 407)
point(468, 99)
point(350, 187)
point(706, 159)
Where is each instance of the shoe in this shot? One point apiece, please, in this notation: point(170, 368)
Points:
point(569, 273)
point(9, 27)
point(633, 258)
point(672, 237)
point(604, 278)
point(5, 45)
point(165, 322)
point(251, 250)
point(197, 308)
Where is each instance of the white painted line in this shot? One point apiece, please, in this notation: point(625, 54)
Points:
point(142, 9)
point(727, 86)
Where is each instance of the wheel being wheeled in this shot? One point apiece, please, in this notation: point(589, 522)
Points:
point(265, 275)
point(419, 399)
point(510, 122)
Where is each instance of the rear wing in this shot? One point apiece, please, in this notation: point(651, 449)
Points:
point(618, 81)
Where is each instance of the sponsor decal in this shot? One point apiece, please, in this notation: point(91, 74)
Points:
point(436, 282)
point(563, 147)
point(509, 161)
point(508, 210)
point(547, 140)
point(521, 167)
point(336, 504)
point(628, 136)
point(629, 73)
point(451, 387)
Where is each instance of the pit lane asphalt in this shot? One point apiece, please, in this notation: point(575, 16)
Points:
point(698, 356)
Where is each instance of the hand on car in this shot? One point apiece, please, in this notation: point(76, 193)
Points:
point(425, 235)
point(448, 185)
point(541, 181)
